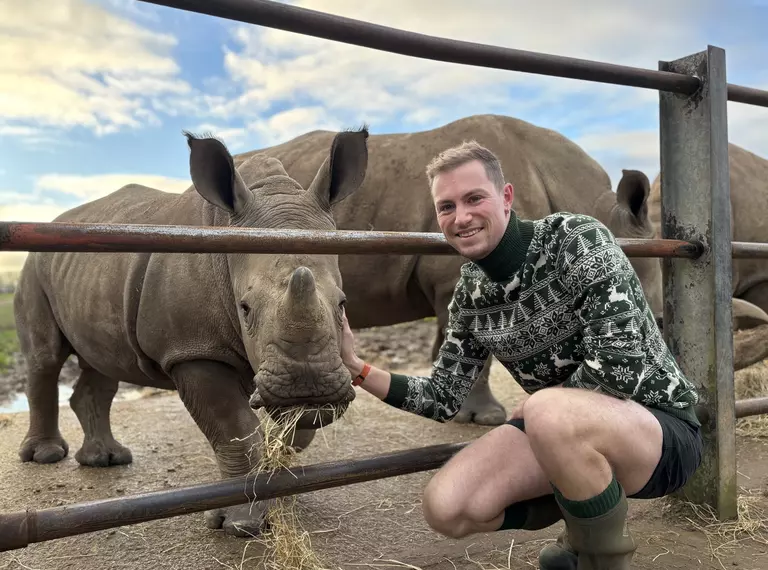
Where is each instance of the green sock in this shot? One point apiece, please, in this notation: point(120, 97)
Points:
point(594, 506)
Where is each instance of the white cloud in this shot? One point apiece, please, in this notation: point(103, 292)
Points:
point(617, 150)
point(22, 210)
point(359, 84)
point(97, 185)
point(233, 137)
point(293, 122)
point(18, 207)
point(69, 63)
point(640, 149)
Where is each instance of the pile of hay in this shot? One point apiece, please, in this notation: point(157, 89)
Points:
point(752, 382)
point(287, 545)
point(724, 536)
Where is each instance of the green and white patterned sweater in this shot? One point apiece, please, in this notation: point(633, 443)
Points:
point(557, 303)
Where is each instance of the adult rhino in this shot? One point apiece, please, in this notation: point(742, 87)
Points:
point(749, 202)
point(550, 173)
point(197, 323)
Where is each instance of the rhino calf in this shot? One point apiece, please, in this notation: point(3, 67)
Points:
point(230, 332)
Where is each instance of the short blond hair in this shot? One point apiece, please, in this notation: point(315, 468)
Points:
point(459, 155)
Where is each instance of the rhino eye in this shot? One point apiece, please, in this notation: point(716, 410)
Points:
point(245, 308)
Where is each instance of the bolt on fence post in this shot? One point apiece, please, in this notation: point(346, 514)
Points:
point(696, 205)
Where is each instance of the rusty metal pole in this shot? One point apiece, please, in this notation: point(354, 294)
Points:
point(696, 206)
point(22, 528)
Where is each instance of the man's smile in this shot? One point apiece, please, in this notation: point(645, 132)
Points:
point(468, 233)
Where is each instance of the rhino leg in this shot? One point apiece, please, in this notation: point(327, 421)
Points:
point(480, 407)
point(45, 350)
point(216, 398)
point(91, 402)
point(302, 438)
point(43, 442)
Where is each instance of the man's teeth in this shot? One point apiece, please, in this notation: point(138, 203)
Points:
point(469, 233)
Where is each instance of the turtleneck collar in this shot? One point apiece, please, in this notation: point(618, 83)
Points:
point(508, 256)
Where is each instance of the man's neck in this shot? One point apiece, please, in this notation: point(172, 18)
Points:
point(509, 254)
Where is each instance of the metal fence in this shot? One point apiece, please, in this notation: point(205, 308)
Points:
point(696, 249)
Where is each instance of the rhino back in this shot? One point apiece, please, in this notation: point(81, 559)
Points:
point(548, 171)
point(120, 311)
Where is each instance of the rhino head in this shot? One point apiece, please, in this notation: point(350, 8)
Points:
point(628, 217)
point(289, 306)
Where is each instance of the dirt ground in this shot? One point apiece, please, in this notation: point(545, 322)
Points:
point(377, 524)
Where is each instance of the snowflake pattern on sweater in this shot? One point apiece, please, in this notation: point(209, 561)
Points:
point(573, 314)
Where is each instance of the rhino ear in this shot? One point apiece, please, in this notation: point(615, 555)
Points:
point(343, 171)
point(632, 193)
point(214, 174)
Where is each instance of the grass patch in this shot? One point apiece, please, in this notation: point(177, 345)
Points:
point(9, 342)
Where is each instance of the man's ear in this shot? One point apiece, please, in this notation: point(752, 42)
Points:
point(509, 196)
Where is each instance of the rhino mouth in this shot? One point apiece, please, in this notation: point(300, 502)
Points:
point(315, 411)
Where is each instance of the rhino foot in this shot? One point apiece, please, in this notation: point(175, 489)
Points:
point(484, 410)
point(43, 449)
point(100, 454)
point(243, 521)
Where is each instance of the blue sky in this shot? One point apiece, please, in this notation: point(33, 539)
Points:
point(95, 93)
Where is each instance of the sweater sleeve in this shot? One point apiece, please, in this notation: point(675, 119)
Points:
point(611, 306)
point(459, 362)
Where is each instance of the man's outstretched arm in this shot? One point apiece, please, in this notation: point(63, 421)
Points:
point(439, 396)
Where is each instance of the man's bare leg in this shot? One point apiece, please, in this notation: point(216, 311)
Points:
point(574, 440)
point(471, 491)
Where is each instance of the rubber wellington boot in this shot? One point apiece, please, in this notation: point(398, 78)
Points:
point(604, 542)
point(560, 555)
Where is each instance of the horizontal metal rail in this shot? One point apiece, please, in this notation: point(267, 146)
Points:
point(20, 529)
point(356, 32)
point(747, 95)
point(746, 249)
point(90, 237)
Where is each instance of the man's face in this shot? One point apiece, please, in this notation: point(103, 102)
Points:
point(471, 212)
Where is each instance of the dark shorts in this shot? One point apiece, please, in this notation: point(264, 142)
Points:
point(680, 455)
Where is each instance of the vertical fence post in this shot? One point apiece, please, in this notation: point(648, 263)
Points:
point(696, 205)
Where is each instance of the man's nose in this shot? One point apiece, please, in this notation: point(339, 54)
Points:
point(463, 216)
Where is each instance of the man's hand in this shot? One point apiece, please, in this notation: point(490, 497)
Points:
point(353, 363)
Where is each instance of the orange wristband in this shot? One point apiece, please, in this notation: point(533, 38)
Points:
point(362, 376)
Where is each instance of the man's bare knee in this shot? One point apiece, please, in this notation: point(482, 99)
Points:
point(442, 509)
point(550, 418)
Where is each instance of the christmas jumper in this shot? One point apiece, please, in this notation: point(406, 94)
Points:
point(558, 304)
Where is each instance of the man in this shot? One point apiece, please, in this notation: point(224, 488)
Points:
point(608, 415)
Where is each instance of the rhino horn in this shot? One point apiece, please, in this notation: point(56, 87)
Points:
point(301, 285)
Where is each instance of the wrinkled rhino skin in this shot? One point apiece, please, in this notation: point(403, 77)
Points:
point(219, 328)
point(549, 173)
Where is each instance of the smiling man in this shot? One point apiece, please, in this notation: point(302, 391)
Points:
point(608, 415)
